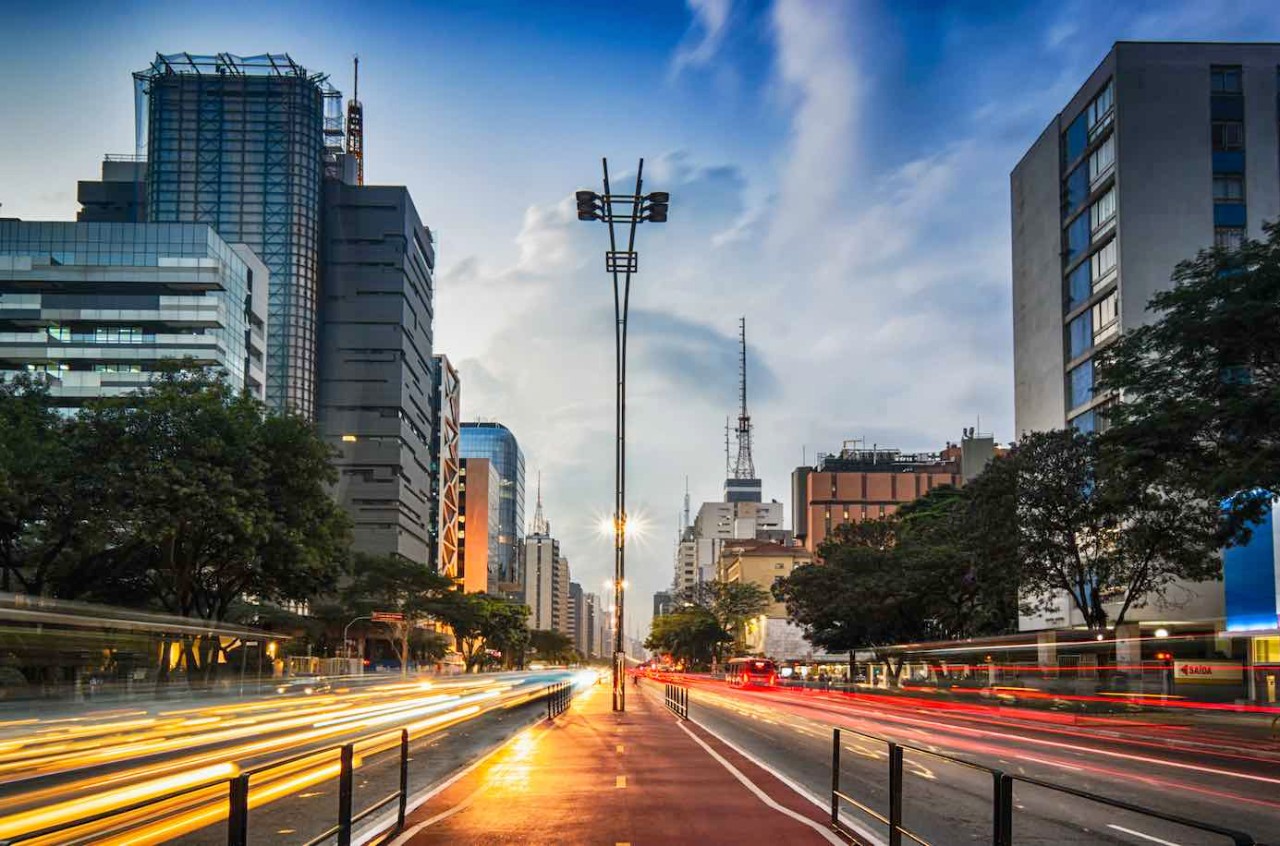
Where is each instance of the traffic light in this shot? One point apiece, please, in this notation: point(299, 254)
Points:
point(655, 207)
point(588, 205)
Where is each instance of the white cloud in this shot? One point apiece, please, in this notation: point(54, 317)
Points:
point(702, 41)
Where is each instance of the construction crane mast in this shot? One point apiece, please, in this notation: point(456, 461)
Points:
point(355, 126)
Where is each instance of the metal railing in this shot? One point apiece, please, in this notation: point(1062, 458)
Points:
point(558, 697)
point(1002, 804)
point(677, 700)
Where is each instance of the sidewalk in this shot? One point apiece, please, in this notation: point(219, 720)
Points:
point(596, 777)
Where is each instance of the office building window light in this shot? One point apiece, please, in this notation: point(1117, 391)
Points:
point(1103, 211)
point(1228, 188)
point(1106, 317)
point(1227, 135)
point(1225, 79)
point(1104, 264)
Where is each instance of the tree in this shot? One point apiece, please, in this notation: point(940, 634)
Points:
point(691, 635)
point(552, 645)
point(1090, 527)
point(206, 497)
point(395, 584)
point(481, 622)
point(1201, 384)
point(44, 498)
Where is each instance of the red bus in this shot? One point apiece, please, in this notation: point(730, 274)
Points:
point(751, 672)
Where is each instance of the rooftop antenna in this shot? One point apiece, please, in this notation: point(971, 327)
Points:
point(727, 466)
point(745, 467)
point(686, 503)
point(355, 125)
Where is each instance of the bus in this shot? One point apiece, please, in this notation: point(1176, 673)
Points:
point(751, 672)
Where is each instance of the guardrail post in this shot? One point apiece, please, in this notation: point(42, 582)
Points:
point(238, 811)
point(835, 776)
point(404, 778)
point(549, 692)
point(1003, 810)
point(346, 779)
point(895, 795)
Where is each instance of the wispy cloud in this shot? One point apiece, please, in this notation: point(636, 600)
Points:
point(702, 41)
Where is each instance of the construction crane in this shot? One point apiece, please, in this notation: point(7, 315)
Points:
point(355, 126)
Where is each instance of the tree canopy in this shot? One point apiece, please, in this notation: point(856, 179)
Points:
point(691, 635)
point(1201, 384)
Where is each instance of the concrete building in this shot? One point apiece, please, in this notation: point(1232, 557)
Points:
point(446, 406)
point(542, 563)
point(479, 513)
point(867, 484)
point(560, 601)
point(592, 632)
point(375, 378)
point(577, 617)
point(497, 443)
point(119, 197)
point(1166, 149)
point(663, 603)
point(763, 563)
point(96, 306)
point(241, 143)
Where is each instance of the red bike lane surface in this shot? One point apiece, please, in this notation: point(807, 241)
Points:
point(593, 776)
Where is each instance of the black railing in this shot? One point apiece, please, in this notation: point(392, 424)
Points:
point(558, 697)
point(677, 700)
point(1002, 805)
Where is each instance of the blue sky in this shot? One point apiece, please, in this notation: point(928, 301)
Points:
point(838, 171)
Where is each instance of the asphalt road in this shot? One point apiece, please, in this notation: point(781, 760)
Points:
point(1210, 775)
point(63, 767)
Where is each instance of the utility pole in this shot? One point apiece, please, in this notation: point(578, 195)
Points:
point(630, 210)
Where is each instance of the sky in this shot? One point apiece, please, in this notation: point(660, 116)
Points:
point(838, 175)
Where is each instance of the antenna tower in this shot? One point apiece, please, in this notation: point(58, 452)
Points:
point(686, 502)
point(540, 525)
point(745, 467)
point(355, 125)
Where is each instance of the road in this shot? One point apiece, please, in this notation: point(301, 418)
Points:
point(63, 767)
point(1214, 775)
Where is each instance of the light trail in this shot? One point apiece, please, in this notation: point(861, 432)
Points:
point(56, 771)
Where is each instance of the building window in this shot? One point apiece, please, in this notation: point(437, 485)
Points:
point(1228, 237)
point(1074, 140)
point(1104, 264)
point(1106, 317)
point(1228, 188)
point(1077, 237)
point(1100, 111)
point(1102, 159)
point(1225, 79)
point(1075, 191)
point(1103, 211)
point(1079, 335)
point(1078, 286)
point(1080, 384)
point(1227, 135)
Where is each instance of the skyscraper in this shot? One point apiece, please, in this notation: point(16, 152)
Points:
point(496, 443)
point(478, 514)
point(446, 405)
point(1166, 149)
point(240, 143)
point(375, 370)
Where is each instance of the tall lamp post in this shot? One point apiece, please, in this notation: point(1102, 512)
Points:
point(630, 210)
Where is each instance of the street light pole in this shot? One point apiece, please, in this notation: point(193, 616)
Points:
point(631, 210)
point(346, 643)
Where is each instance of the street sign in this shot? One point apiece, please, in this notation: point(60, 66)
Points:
point(1207, 671)
point(388, 617)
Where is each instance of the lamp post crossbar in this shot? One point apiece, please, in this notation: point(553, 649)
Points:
point(627, 210)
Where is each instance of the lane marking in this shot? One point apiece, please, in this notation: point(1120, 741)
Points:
point(760, 794)
point(620, 781)
point(1143, 836)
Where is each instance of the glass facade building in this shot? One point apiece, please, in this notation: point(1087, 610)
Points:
point(240, 144)
point(496, 443)
point(96, 305)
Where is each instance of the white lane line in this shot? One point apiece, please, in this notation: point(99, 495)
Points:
point(1143, 836)
point(760, 794)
